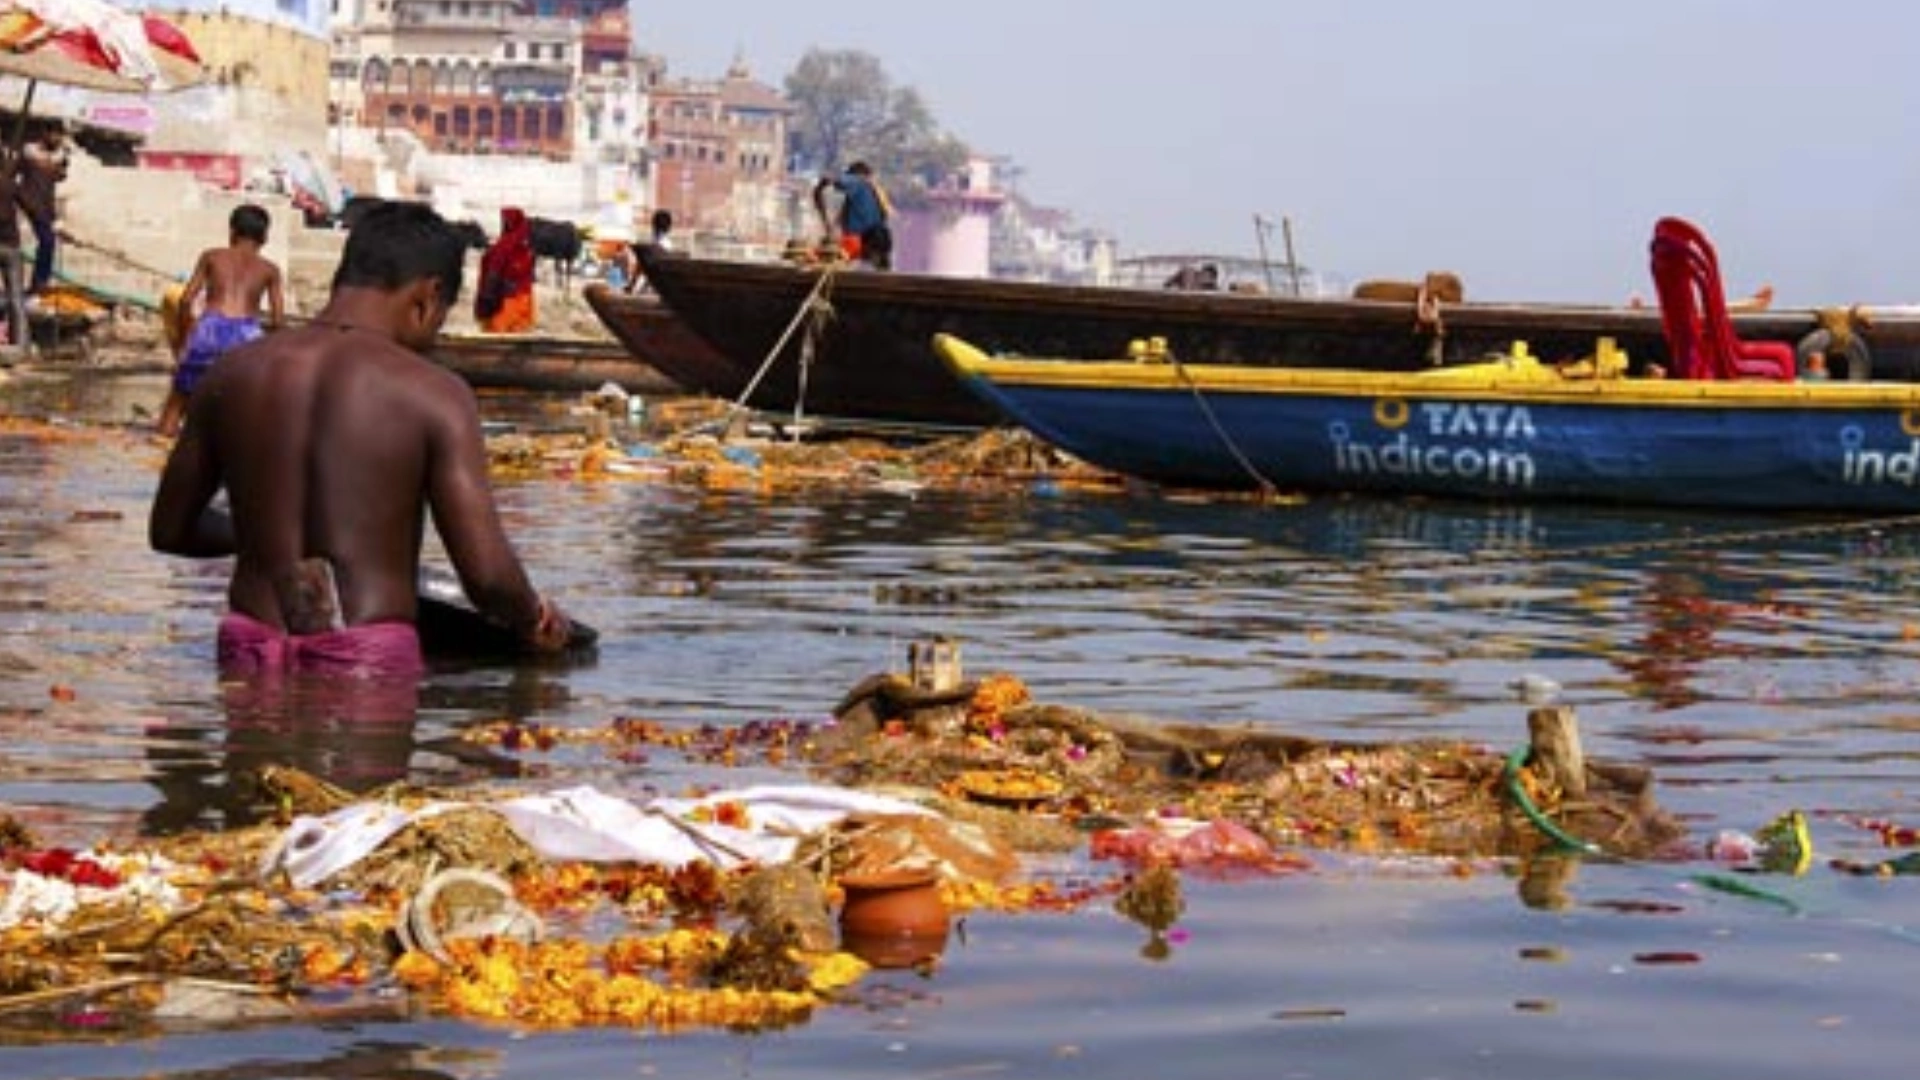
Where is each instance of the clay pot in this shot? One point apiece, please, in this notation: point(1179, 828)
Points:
point(893, 918)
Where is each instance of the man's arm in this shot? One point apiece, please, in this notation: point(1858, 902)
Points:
point(182, 521)
point(183, 315)
point(460, 497)
point(820, 206)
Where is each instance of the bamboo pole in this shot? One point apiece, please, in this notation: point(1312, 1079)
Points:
point(1293, 263)
point(35, 998)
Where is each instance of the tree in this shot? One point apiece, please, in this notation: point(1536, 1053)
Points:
point(847, 109)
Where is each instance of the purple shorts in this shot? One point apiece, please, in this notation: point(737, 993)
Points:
point(213, 334)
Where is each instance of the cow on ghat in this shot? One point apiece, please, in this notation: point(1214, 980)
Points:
point(560, 241)
point(470, 231)
point(356, 208)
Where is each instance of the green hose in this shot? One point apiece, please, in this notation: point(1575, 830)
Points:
point(1552, 831)
point(1548, 828)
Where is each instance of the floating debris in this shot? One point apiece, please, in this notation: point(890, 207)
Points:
point(716, 908)
point(998, 459)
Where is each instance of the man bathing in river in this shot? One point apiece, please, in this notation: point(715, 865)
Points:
point(333, 442)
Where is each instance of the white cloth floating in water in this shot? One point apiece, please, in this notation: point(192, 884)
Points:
point(584, 824)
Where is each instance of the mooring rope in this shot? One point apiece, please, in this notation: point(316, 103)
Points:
point(809, 348)
point(818, 295)
point(1267, 487)
point(115, 255)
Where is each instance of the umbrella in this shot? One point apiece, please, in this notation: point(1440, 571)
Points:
point(93, 45)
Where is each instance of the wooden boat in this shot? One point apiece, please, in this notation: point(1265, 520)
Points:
point(873, 359)
point(1508, 429)
point(655, 333)
point(548, 363)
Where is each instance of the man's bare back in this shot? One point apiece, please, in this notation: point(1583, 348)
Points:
point(334, 442)
point(323, 473)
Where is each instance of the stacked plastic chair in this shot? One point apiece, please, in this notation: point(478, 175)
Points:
point(1693, 312)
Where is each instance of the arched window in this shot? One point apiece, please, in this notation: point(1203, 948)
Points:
point(463, 78)
point(373, 77)
point(398, 76)
point(442, 77)
point(422, 82)
point(483, 79)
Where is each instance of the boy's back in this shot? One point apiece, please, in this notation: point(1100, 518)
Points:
point(237, 277)
point(229, 282)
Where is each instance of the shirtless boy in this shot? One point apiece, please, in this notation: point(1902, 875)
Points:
point(334, 441)
point(234, 278)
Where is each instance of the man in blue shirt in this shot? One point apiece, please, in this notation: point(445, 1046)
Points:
point(864, 210)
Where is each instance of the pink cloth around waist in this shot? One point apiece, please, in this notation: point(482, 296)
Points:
point(248, 645)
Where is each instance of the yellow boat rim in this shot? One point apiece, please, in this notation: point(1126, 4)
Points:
point(1516, 377)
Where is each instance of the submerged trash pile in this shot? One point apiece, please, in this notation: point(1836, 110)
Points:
point(999, 460)
point(988, 743)
point(689, 445)
point(749, 908)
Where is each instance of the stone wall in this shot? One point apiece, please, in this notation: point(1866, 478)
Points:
point(136, 230)
point(266, 93)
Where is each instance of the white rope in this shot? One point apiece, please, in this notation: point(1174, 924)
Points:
point(806, 307)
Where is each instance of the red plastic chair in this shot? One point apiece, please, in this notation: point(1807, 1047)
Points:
point(1693, 313)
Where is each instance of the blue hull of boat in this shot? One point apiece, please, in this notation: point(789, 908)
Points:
point(1724, 447)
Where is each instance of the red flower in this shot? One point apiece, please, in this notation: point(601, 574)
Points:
point(64, 865)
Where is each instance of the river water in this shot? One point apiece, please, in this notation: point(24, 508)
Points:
point(1757, 664)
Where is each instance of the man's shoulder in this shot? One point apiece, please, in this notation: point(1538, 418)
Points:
point(401, 363)
point(356, 355)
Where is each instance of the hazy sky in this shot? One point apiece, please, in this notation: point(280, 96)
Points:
point(1527, 144)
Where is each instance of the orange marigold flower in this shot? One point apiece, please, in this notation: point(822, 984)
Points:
point(323, 963)
point(417, 971)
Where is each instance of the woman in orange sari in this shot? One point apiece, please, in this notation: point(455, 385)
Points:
point(504, 302)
